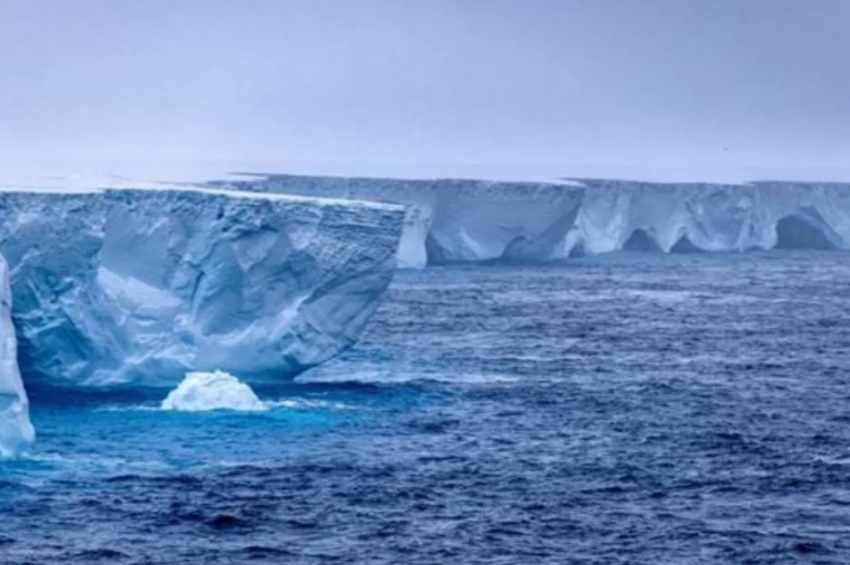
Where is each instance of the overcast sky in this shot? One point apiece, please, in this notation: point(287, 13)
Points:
point(651, 82)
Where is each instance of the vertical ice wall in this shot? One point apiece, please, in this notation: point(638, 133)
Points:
point(451, 220)
point(676, 217)
point(15, 427)
point(138, 287)
point(454, 220)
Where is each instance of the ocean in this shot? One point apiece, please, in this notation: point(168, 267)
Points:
point(619, 409)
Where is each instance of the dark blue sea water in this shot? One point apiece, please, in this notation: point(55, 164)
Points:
point(619, 410)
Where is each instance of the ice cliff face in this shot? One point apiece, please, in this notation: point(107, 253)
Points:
point(455, 220)
point(15, 427)
point(641, 216)
point(465, 220)
point(124, 287)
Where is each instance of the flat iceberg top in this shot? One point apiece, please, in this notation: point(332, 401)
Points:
point(437, 182)
point(321, 201)
point(613, 183)
point(101, 174)
point(317, 200)
point(113, 174)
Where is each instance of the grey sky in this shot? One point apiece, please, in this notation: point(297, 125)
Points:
point(669, 82)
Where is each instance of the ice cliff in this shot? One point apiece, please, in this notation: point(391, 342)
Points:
point(452, 220)
point(468, 220)
point(15, 427)
point(682, 217)
point(137, 287)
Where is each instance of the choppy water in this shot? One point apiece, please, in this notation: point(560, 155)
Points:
point(624, 409)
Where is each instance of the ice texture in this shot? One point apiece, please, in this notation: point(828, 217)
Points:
point(688, 217)
point(216, 390)
point(139, 287)
point(454, 220)
point(15, 427)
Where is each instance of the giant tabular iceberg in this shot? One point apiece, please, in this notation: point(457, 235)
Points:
point(453, 220)
point(120, 287)
point(15, 427)
point(671, 217)
point(468, 220)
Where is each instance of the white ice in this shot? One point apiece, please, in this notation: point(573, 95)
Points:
point(15, 427)
point(671, 217)
point(455, 220)
point(451, 220)
point(215, 390)
point(137, 287)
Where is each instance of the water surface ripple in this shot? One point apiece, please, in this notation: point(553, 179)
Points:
point(619, 410)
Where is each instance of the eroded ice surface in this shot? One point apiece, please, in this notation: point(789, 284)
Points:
point(215, 390)
point(673, 217)
point(468, 220)
point(15, 427)
point(124, 287)
point(455, 220)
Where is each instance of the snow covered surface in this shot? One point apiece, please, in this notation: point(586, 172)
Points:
point(126, 287)
point(75, 175)
point(15, 427)
point(216, 390)
point(135, 173)
point(455, 220)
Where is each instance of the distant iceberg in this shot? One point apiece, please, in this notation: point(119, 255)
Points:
point(452, 220)
point(689, 217)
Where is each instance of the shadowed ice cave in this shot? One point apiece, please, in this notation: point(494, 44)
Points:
point(807, 230)
point(641, 241)
point(685, 246)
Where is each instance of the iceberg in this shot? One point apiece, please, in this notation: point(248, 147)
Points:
point(451, 220)
point(202, 391)
point(454, 220)
point(691, 217)
point(140, 286)
point(15, 427)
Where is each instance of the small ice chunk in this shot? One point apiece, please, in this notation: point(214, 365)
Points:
point(217, 390)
